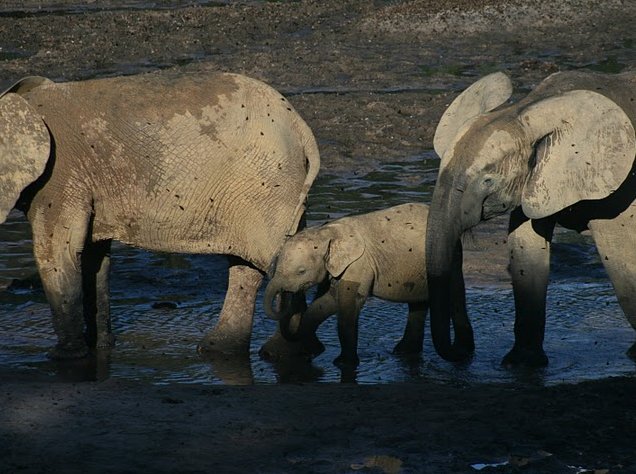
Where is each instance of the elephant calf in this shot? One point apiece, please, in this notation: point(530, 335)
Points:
point(381, 254)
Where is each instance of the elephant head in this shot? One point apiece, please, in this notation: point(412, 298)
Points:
point(25, 144)
point(308, 259)
point(544, 154)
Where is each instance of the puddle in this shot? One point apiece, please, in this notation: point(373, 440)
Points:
point(587, 334)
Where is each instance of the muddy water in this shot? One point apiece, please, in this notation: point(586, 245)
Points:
point(162, 304)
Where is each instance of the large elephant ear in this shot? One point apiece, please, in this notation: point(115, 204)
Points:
point(585, 147)
point(24, 149)
point(345, 247)
point(486, 94)
point(26, 84)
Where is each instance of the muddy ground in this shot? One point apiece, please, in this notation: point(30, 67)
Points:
point(371, 78)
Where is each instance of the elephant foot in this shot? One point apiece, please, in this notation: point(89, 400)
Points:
point(217, 343)
point(344, 362)
point(278, 348)
point(105, 342)
point(525, 358)
point(407, 347)
point(68, 352)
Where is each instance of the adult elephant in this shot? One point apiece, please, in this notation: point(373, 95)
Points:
point(214, 163)
point(563, 154)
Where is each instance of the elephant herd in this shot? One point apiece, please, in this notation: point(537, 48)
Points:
point(223, 164)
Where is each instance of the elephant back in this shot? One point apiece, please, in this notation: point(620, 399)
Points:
point(620, 88)
point(213, 163)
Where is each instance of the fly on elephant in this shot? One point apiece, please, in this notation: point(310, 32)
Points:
point(563, 155)
point(192, 163)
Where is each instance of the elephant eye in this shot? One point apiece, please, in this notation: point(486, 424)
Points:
point(488, 182)
point(302, 271)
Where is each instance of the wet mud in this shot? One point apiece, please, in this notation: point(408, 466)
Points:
point(371, 78)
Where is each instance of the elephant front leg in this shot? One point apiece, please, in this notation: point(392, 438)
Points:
point(306, 344)
point(529, 244)
point(58, 256)
point(317, 312)
point(233, 330)
point(350, 301)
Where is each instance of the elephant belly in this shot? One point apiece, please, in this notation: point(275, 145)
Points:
point(405, 288)
point(169, 228)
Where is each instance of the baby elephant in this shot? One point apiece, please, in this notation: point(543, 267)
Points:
point(381, 254)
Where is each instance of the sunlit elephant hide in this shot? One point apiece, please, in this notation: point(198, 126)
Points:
point(564, 155)
point(381, 254)
point(213, 163)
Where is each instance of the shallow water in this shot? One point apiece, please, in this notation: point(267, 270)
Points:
point(586, 338)
point(587, 334)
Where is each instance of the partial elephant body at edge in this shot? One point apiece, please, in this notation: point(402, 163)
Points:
point(563, 154)
point(215, 163)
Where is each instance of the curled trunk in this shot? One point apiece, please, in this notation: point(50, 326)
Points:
point(273, 310)
point(289, 327)
point(286, 310)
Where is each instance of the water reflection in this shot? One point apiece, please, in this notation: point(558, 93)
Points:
point(587, 334)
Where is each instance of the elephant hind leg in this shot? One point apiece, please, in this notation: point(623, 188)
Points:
point(233, 330)
point(413, 338)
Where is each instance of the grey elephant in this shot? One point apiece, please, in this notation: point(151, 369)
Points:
point(564, 155)
point(214, 163)
point(379, 253)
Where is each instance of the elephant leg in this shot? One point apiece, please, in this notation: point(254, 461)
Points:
point(95, 269)
point(233, 330)
point(413, 338)
point(351, 298)
point(58, 253)
point(307, 323)
point(529, 244)
point(317, 312)
point(616, 244)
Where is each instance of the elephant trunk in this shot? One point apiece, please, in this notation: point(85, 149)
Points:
point(272, 291)
point(443, 258)
point(285, 325)
point(286, 310)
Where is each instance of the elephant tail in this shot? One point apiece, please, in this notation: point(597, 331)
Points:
point(312, 166)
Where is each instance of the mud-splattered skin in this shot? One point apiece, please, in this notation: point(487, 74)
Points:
point(564, 154)
point(378, 254)
point(215, 163)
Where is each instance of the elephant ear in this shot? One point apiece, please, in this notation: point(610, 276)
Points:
point(24, 149)
point(584, 149)
point(486, 94)
point(345, 247)
point(26, 84)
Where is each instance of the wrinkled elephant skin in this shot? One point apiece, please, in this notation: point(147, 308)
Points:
point(564, 155)
point(214, 163)
point(378, 254)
